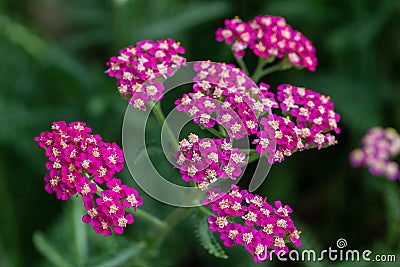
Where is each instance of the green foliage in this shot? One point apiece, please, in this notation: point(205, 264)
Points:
point(392, 203)
point(115, 259)
point(310, 242)
point(53, 55)
point(73, 243)
point(208, 241)
point(48, 250)
point(184, 18)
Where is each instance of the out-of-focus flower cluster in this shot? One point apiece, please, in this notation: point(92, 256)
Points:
point(305, 121)
point(245, 219)
point(225, 95)
point(268, 37)
point(78, 162)
point(137, 69)
point(206, 160)
point(378, 148)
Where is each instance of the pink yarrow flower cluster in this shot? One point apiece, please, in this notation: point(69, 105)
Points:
point(78, 162)
point(225, 95)
point(308, 107)
point(205, 160)
point(378, 148)
point(309, 119)
point(249, 220)
point(108, 211)
point(139, 69)
point(268, 37)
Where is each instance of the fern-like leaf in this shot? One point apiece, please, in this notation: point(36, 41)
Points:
point(208, 240)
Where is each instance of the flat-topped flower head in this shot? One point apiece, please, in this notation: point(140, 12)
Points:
point(237, 33)
point(249, 220)
point(139, 69)
point(74, 153)
point(205, 160)
point(268, 37)
point(225, 95)
point(378, 149)
point(107, 213)
point(309, 108)
point(78, 163)
point(305, 120)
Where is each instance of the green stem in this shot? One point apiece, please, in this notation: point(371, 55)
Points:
point(170, 222)
point(260, 65)
point(248, 150)
point(179, 214)
point(80, 236)
point(261, 72)
point(155, 240)
point(214, 132)
point(99, 190)
point(253, 157)
point(222, 130)
point(158, 113)
point(150, 218)
point(242, 65)
point(205, 211)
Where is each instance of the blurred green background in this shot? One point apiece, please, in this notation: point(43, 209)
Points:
point(53, 55)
